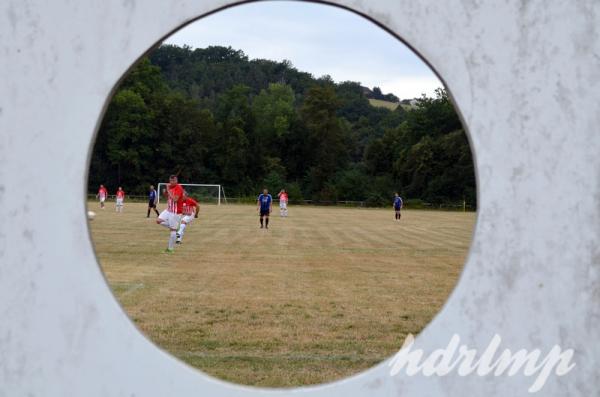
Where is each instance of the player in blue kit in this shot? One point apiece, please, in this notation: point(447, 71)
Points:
point(264, 207)
point(397, 206)
point(152, 199)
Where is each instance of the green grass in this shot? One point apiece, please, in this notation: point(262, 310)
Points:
point(323, 294)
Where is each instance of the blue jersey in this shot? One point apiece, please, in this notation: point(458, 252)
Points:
point(397, 203)
point(152, 195)
point(265, 201)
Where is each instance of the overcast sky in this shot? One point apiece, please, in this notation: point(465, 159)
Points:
point(318, 39)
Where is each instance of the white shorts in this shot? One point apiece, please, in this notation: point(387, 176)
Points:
point(283, 205)
point(119, 201)
point(187, 219)
point(102, 199)
point(171, 218)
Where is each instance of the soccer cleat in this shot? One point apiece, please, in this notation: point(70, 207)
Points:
point(169, 251)
point(178, 241)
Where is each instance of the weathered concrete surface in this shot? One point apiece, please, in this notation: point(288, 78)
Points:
point(526, 78)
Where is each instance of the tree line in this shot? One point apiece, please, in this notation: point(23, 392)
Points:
point(214, 116)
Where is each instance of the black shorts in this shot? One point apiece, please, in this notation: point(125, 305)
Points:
point(264, 212)
point(397, 209)
point(151, 204)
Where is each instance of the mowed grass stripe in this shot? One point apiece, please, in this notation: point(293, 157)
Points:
point(323, 294)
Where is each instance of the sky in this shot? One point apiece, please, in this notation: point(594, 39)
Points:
point(316, 38)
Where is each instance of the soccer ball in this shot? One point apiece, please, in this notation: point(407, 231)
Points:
point(91, 215)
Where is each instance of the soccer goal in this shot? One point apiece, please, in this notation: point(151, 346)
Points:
point(202, 193)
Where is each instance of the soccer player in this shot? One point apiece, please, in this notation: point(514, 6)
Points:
point(190, 211)
point(120, 198)
point(169, 218)
point(102, 195)
point(264, 207)
point(152, 198)
point(397, 206)
point(283, 200)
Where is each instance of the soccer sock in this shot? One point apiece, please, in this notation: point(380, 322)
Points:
point(157, 213)
point(261, 221)
point(267, 222)
point(172, 239)
point(148, 215)
point(181, 229)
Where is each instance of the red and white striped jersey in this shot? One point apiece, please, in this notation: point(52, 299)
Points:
point(120, 194)
point(189, 206)
point(175, 207)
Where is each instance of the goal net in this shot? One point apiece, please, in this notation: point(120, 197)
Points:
point(204, 194)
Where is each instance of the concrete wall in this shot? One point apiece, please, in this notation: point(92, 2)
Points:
point(526, 79)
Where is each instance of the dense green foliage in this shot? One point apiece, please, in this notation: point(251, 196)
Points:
point(214, 116)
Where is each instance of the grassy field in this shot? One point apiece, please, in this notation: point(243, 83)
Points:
point(323, 294)
point(379, 103)
point(383, 104)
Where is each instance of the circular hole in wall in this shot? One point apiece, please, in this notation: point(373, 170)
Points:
point(306, 98)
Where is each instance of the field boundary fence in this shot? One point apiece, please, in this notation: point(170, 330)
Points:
point(408, 204)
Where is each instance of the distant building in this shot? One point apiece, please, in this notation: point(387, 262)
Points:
point(409, 102)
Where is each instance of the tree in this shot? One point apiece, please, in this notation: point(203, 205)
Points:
point(236, 136)
point(432, 116)
point(274, 113)
point(127, 125)
point(326, 135)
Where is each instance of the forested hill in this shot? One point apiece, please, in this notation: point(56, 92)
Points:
point(214, 116)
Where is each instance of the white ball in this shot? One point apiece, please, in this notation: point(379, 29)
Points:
point(91, 215)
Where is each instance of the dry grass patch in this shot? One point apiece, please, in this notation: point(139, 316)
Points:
point(323, 294)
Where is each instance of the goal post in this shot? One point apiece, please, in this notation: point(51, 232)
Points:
point(203, 193)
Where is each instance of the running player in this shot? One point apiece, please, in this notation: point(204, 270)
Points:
point(190, 211)
point(102, 195)
point(264, 207)
point(283, 200)
point(152, 199)
point(397, 206)
point(169, 218)
point(120, 198)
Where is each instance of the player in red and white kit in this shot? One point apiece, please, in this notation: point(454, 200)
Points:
point(102, 195)
point(190, 211)
point(283, 201)
point(170, 217)
point(119, 200)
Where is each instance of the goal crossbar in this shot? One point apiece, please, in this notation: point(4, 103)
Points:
point(220, 190)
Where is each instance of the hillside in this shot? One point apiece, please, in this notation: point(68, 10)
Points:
point(215, 116)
